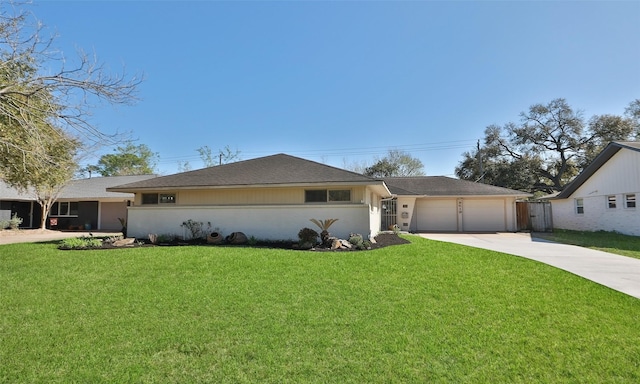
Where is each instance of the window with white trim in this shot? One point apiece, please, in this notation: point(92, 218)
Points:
point(327, 195)
point(579, 206)
point(611, 201)
point(630, 200)
point(65, 208)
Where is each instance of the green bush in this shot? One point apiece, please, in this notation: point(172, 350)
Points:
point(308, 238)
point(80, 243)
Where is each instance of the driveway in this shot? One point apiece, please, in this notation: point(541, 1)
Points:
point(617, 272)
point(38, 235)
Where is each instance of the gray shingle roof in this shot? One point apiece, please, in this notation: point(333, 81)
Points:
point(96, 187)
point(445, 186)
point(270, 170)
point(81, 189)
point(598, 162)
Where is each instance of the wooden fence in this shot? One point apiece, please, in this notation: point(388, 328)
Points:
point(534, 216)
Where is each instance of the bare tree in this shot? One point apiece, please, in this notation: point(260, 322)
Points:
point(41, 94)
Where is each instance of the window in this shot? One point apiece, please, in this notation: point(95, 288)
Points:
point(327, 195)
point(579, 206)
point(167, 198)
point(340, 195)
point(65, 208)
point(155, 198)
point(630, 200)
point(149, 198)
point(611, 202)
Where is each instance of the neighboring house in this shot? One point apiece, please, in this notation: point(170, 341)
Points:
point(22, 204)
point(603, 196)
point(274, 197)
point(444, 204)
point(83, 203)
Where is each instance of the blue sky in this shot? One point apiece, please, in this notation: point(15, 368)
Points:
point(342, 82)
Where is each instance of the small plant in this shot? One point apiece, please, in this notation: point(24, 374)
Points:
point(123, 223)
point(80, 243)
point(196, 228)
point(358, 242)
point(13, 223)
point(324, 227)
point(308, 238)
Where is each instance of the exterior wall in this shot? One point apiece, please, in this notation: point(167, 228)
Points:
point(406, 218)
point(276, 222)
point(618, 176)
point(250, 196)
point(374, 201)
point(109, 214)
point(597, 216)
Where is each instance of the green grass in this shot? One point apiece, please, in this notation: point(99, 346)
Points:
point(603, 241)
point(423, 312)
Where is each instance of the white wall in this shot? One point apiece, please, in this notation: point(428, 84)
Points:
point(276, 222)
point(618, 176)
point(596, 216)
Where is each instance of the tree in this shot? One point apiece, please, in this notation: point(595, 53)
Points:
point(25, 171)
point(545, 151)
point(129, 160)
point(225, 156)
point(43, 92)
point(396, 163)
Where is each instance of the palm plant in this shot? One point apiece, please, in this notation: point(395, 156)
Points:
point(324, 227)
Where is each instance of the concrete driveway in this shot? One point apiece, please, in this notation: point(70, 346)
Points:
point(617, 272)
point(38, 235)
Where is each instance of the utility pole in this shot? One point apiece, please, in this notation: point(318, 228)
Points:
point(481, 171)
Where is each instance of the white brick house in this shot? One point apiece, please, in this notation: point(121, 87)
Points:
point(603, 197)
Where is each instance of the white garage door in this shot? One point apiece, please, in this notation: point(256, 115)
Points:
point(483, 215)
point(436, 215)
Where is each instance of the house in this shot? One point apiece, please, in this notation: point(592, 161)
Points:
point(271, 197)
point(83, 203)
point(603, 196)
point(22, 204)
point(444, 204)
point(274, 197)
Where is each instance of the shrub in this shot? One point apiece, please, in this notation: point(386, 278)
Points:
point(196, 228)
point(80, 243)
point(307, 238)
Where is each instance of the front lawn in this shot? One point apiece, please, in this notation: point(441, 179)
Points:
point(611, 242)
point(422, 312)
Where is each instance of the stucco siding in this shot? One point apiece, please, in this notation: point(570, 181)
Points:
point(261, 221)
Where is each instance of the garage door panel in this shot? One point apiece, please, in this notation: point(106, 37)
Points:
point(483, 215)
point(437, 215)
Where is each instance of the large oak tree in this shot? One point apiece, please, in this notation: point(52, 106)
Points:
point(550, 145)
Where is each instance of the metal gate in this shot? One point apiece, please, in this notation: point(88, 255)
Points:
point(389, 214)
point(534, 216)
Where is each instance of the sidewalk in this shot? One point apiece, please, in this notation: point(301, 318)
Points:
point(8, 236)
point(614, 271)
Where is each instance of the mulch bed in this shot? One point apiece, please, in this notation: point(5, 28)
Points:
point(384, 239)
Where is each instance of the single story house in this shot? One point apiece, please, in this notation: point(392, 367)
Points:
point(81, 204)
point(274, 197)
point(444, 204)
point(22, 204)
point(603, 196)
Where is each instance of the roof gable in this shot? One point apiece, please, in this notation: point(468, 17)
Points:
point(270, 170)
point(445, 186)
point(604, 156)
